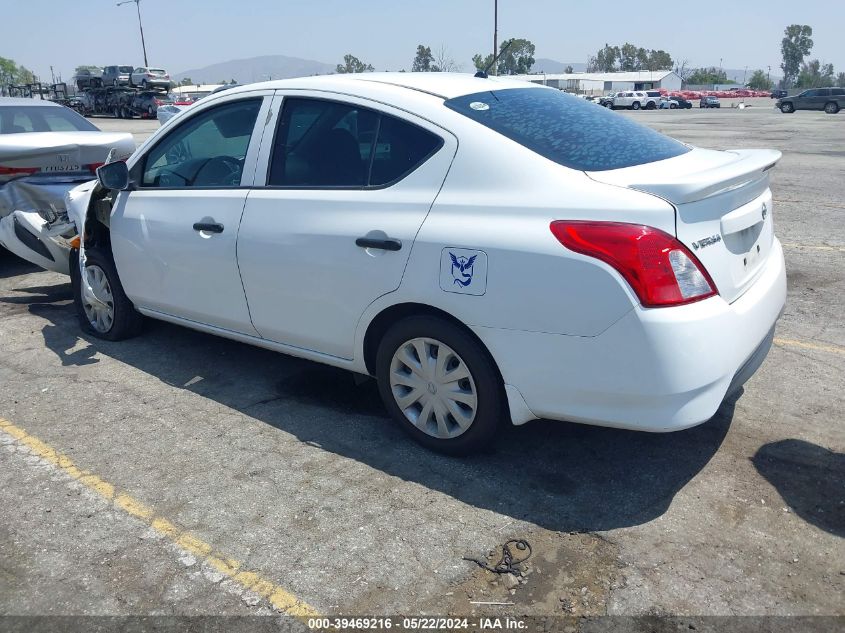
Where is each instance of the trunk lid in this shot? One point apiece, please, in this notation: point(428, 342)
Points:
point(59, 155)
point(723, 208)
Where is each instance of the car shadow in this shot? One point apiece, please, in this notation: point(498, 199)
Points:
point(561, 476)
point(810, 480)
point(11, 265)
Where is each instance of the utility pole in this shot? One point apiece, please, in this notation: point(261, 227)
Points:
point(495, 33)
point(140, 26)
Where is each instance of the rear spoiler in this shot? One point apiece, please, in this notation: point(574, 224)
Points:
point(696, 175)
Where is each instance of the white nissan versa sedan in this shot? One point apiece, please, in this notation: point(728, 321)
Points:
point(490, 250)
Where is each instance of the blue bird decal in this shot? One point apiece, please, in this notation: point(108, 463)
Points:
point(462, 269)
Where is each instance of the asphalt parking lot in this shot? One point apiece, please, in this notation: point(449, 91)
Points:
point(177, 473)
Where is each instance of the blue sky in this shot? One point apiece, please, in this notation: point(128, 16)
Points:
point(183, 34)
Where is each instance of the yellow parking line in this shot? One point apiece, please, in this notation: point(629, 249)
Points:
point(277, 596)
point(787, 342)
point(816, 247)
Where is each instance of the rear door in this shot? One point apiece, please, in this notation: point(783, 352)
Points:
point(340, 195)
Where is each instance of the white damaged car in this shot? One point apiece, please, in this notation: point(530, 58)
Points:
point(492, 252)
point(45, 150)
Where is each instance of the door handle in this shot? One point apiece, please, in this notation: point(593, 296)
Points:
point(209, 227)
point(385, 244)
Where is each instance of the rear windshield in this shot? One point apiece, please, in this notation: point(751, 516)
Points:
point(22, 119)
point(157, 71)
point(567, 130)
point(125, 69)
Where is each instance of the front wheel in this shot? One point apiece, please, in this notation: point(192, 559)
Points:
point(635, 105)
point(440, 385)
point(787, 108)
point(102, 307)
point(831, 108)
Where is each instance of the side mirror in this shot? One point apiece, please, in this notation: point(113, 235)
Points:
point(114, 176)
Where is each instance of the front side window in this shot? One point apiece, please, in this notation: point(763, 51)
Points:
point(331, 144)
point(207, 150)
point(569, 131)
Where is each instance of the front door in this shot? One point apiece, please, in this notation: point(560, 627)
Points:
point(174, 238)
point(348, 186)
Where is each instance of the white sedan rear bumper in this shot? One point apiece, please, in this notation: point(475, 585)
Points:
point(658, 369)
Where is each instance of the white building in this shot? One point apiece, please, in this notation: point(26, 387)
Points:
point(601, 83)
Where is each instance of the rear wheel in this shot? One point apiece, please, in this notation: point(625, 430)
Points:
point(440, 385)
point(831, 107)
point(102, 307)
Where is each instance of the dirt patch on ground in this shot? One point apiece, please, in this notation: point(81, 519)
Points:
point(567, 574)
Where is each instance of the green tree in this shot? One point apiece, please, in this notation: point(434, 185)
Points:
point(840, 80)
point(605, 60)
point(84, 68)
point(707, 76)
point(423, 61)
point(795, 46)
point(759, 81)
point(569, 70)
point(659, 60)
point(627, 57)
point(481, 63)
point(516, 57)
point(814, 74)
point(352, 64)
point(186, 82)
point(12, 73)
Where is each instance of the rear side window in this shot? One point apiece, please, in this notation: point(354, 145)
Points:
point(21, 119)
point(323, 144)
point(567, 130)
point(838, 92)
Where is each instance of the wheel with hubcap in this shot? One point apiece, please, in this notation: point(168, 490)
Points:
point(440, 384)
point(831, 107)
point(787, 108)
point(102, 306)
point(635, 105)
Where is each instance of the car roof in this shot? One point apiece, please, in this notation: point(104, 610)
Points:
point(24, 101)
point(443, 85)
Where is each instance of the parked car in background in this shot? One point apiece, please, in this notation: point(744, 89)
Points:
point(116, 75)
point(632, 100)
point(45, 150)
point(146, 104)
point(635, 285)
point(709, 102)
point(777, 94)
point(606, 101)
point(653, 98)
point(145, 77)
point(668, 103)
point(88, 78)
point(683, 104)
point(831, 100)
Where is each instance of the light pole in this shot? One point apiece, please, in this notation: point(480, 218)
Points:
point(495, 33)
point(140, 26)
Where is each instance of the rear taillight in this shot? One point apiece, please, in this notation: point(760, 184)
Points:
point(661, 270)
point(17, 171)
point(94, 166)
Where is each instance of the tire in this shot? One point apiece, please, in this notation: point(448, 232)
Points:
point(635, 105)
point(672, 106)
point(125, 321)
point(831, 107)
point(787, 108)
point(434, 336)
point(145, 85)
point(650, 105)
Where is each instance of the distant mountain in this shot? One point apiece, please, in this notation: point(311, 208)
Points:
point(544, 65)
point(256, 69)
